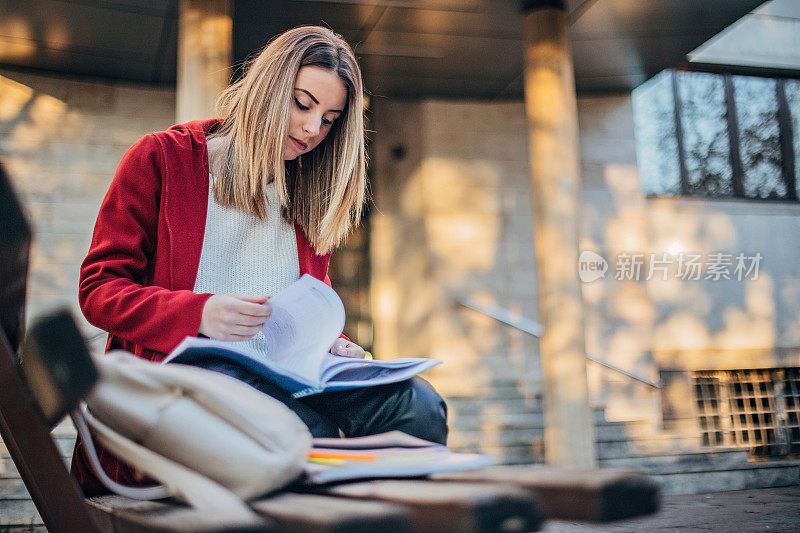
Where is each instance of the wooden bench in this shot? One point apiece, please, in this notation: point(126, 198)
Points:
point(55, 371)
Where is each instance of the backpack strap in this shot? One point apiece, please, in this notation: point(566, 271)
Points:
point(178, 481)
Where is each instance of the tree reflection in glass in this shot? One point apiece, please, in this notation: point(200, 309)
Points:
point(759, 136)
point(705, 134)
point(656, 143)
point(792, 88)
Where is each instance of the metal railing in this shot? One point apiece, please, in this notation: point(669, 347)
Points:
point(530, 327)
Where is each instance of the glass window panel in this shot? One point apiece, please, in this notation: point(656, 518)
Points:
point(656, 143)
point(759, 136)
point(705, 133)
point(792, 88)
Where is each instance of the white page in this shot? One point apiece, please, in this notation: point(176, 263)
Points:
point(307, 316)
point(390, 439)
point(436, 460)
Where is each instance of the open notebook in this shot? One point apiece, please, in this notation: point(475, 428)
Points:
point(307, 316)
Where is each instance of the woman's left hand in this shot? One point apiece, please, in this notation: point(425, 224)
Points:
point(346, 348)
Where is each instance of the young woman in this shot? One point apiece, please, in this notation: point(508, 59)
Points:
point(204, 221)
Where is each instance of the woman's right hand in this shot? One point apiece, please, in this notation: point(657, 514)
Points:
point(234, 317)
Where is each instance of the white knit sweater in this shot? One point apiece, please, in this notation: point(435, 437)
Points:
point(243, 254)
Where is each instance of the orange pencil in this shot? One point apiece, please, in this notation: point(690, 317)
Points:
point(345, 456)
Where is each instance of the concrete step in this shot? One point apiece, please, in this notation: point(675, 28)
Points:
point(9, 470)
point(615, 440)
point(13, 489)
point(504, 437)
point(24, 529)
point(523, 418)
point(685, 461)
point(483, 395)
point(613, 431)
point(19, 513)
point(478, 406)
point(64, 429)
point(64, 445)
point(511, 455)
point(64, 437)
point(615, 449)
point(503, 420)
point(701, 471)
point(753, 476)
point(650, 445)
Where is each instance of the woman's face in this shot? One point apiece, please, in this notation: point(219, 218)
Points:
point(319, 99)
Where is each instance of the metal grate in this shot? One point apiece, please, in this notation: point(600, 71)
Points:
point(751, 399)
point(791, 395)
point(707, 392)
point(757, 409)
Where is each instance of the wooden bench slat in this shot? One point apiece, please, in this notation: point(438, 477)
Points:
point(597, 495)
point(442, 506)
point(309, 513)
point(118, 514)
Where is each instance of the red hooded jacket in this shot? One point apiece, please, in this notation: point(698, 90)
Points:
point(137, 279)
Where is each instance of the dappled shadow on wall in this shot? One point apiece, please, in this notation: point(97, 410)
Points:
point(40, 160)
point(738, 306)
point(453, 226)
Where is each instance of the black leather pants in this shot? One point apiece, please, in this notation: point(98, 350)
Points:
point(411, 406)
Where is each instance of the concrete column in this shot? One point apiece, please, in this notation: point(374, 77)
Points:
point(205, 55)
point(552, 117)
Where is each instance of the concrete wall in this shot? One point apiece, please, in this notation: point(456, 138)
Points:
point(649, 325)
point(61, 140)
point(453, 219)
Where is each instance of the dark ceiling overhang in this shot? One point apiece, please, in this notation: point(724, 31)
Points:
point(407, 48)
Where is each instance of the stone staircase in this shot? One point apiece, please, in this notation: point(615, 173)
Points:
point(676, 459)
point(682, 465)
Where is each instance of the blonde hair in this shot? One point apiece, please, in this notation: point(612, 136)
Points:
point(324, 190)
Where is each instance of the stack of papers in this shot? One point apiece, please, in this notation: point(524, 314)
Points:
point(392, 454)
